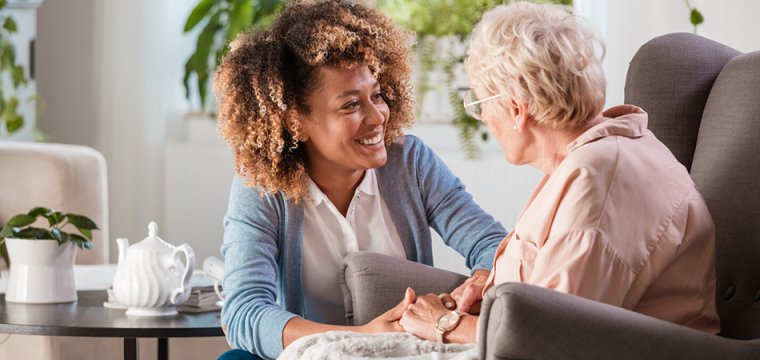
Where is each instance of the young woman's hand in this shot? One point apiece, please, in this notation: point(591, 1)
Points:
point(468, 296)
point(388, 321)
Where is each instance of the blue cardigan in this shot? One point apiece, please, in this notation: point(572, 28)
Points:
point(263, 236)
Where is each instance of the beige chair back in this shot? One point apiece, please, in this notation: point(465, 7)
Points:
point(68, 178)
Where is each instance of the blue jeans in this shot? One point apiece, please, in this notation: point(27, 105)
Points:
point(237, 354)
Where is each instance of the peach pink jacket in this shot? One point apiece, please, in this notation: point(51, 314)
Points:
point(621, 222)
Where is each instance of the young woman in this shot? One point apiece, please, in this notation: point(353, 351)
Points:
point(313, 109)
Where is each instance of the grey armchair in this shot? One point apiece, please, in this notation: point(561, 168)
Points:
point(703, 100)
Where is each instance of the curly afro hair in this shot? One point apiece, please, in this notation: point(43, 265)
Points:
point(267, 75)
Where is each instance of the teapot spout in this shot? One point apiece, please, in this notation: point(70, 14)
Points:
point(123, 244)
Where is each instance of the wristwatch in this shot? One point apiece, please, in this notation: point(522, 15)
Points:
point(446, 323)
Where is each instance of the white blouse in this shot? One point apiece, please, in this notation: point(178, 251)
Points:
point(328, 236)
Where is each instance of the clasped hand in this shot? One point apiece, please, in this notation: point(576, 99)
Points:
point(419, 315)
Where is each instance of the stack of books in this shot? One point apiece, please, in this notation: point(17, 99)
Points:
point(201, 299)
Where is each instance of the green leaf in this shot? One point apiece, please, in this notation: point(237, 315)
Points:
point(202, 82)
point(8, 57)
point(34, 233)
point(221, 52)
point(199, 12)
point(19, 76)
point(3, 251)
point(6, 231)
point(85, 232)
point(21, 220)
point(40, 211)
point(13, 123)
point(81, 221)
point(186, 79)
point(696, 17)
point(200, 59)
point(268, 6)
point(64, 238)
point(11, 105)
point(241, 17)
point(266, 11)
point(10, 25)
point(81, 242)
point(2, 4)
point(55, 218)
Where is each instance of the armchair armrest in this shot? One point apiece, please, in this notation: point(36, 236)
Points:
point(373, 283)
point(520, 321)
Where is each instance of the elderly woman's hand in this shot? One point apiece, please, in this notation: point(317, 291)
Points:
point(389, 321)
point(421, 317)
point(468, 296)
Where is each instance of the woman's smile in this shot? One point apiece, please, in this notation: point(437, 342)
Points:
point(372, 140)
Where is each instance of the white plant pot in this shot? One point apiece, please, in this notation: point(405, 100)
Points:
point(42, 272)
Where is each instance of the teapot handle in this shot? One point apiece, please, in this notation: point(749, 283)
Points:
point(181, 294)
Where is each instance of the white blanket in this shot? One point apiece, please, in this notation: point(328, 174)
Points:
point(340, 345)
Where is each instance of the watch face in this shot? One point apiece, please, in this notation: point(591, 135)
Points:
point(448, 320)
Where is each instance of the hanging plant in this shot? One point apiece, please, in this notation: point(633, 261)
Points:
point(424, 18)
point(12, 78)
point(695, 17)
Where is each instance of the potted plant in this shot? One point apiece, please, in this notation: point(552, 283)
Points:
point(42, 258)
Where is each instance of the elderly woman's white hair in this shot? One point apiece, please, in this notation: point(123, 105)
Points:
point(543, 55)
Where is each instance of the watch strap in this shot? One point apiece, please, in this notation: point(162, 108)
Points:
point(439, 334)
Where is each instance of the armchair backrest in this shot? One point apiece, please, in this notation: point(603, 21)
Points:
point(726, 168)
point(670, 77)
point(69, 178)
point(703, 100)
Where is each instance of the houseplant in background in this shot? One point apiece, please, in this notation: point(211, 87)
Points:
point(42, 258)
point(220, 21)
point(695, 17)
point(441, 47)
point(13, 78)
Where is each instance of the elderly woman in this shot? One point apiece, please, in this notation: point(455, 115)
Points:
point(615, 218)
point(313, 109)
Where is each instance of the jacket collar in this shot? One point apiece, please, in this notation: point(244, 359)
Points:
point(623, 120)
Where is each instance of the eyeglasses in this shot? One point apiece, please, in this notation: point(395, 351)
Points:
point(472, 104)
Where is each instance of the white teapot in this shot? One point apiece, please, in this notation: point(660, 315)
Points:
point(151, 279)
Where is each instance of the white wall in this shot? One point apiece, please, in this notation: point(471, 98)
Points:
point(111, 72)
point(199, 172)
point(632, 23)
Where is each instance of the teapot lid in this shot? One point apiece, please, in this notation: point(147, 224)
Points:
point(153, 231)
